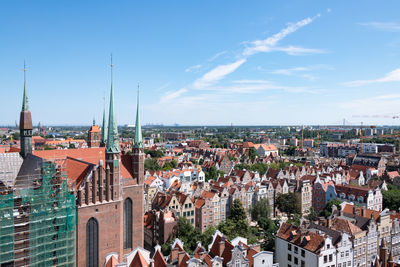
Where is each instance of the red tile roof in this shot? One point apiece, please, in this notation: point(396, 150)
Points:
point(308, 240)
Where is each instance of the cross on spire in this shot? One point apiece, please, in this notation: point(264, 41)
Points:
point(25, 106)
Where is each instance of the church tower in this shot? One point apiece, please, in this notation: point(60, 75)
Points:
point(113, 151)
point(25, 124)
point(94, 135)
point(138, 148)
point(103, 140)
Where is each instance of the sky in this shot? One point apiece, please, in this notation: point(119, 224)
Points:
point(202, 62)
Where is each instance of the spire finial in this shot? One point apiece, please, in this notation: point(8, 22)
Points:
point(112, 136)
point(25, 97)
point(111, 66)
point(138, 141)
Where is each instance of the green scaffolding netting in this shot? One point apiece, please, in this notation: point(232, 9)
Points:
point(38, 226)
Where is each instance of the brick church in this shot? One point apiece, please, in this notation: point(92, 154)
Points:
point(108, 186)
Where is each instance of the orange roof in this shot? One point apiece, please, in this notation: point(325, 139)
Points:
point(159, 260)
point(343, 225)
point(312, 241)
point(199, 203)
point(90, 155)
point(367, 213)
point(207, 194)
point(111, 262)
point(76, 171)
point(94, 128)
point(138, 261)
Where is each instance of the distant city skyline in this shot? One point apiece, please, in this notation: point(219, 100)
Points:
point(202, 63)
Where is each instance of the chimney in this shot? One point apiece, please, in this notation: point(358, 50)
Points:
point(181, 254)
point(221, 247)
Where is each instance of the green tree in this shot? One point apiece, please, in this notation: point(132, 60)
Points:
point(312, 215)
point(154, 153)
point(391, 198)
point(212, 173)
point(151, 164)
point(170, 165)
point(237, 211)
point(201, 161)
point(327, 211)
point(288, 203)
point(252, 153)
point(260, 210)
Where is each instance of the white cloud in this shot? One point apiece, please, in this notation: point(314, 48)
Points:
point(372, 107)
point(393, 76)
point(170, 95)
point(298, 51)
point(290, 71)
point(269, 44)
point(217, 74)
point(193, 68)
point(253, 86)
point(297, 71)
point(382, 26)
point(217, 56)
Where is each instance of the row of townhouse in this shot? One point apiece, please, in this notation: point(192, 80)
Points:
point(341, 244)
point(220, 253)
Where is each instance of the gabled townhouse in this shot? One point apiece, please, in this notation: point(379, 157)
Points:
point(341, 241)
point(237, 253)
point(299, 247)
point(304, 192)
point(345, 226)
point(369, 198)
point(322, 193)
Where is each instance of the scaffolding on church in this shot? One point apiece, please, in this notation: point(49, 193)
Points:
point(38, 224)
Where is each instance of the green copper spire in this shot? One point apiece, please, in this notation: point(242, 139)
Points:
point(104, 129)
point(94, 121)
point(138, 141)
point(25, 106)
point(112, 142)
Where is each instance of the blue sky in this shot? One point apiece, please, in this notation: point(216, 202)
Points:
point(202, 62)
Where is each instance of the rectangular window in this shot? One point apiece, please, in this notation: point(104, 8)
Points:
point(289, 247)
point(296, 250)
point(192, 212)
point(325, 259)
point(185, 206)
point(303, 253)
point(303, 264)
point(330, 257)
point(296, 260)
point(184, 214)
point(289, 257)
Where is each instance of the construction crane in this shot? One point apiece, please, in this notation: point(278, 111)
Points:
point(393, 116)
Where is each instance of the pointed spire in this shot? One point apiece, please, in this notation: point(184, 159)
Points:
point(103, 141)
point(25, 106)
point(94, 121)
point(112, 142)
point(138, 141)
